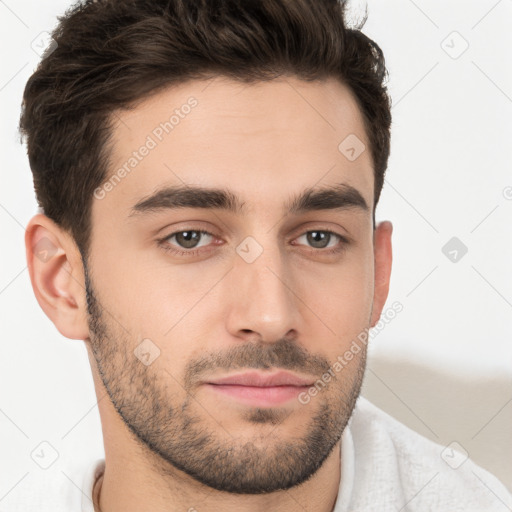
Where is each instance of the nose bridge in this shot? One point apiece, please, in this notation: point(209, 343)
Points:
point(263, 300)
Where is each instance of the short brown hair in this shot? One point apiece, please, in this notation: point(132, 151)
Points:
point(110, 54)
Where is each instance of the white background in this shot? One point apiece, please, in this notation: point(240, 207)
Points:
point(449, 175)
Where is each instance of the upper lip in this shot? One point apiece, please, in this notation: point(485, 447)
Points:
point(258, 379)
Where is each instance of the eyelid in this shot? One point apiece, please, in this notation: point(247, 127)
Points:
point(338, 231)
point(302, 231)
point(166, 238)
point(343, 242)
point(322, 230)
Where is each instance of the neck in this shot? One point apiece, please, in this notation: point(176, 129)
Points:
point(129, 487)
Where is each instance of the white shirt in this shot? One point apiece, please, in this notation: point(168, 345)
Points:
point(385, 467)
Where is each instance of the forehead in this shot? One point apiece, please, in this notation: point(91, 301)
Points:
point(260, 140)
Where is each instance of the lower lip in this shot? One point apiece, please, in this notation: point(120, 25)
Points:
point(259, 396)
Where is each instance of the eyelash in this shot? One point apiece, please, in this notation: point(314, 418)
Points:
point(163, 243)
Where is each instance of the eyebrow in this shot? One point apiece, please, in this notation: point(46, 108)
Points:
point(334, 197)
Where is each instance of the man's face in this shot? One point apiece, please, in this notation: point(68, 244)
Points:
point(266, 289)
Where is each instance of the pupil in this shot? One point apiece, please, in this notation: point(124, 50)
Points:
point(190, 238)
point(313, 237)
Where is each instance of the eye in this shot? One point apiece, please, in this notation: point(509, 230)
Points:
point(188, 240)
point(321, 238)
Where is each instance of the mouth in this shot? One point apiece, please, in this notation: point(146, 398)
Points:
point(260, 389)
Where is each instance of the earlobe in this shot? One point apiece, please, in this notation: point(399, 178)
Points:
point(56, 275)
point(383, 262)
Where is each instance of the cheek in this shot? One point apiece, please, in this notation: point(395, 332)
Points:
point(143, 296)
point(169, 306)
point(176, 305)
point(346, 311)
point(342, 296)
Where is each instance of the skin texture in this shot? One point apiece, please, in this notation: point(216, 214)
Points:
point(171, 442)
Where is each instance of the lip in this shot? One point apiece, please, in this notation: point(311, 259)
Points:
point(258, 379)
point(260, 389)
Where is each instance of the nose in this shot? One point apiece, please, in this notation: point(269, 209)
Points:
point(262, 301)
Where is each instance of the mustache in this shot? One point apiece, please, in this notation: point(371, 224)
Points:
point(283, 354)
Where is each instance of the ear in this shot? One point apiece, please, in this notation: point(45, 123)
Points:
point(57, 276)
point(383, 260)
